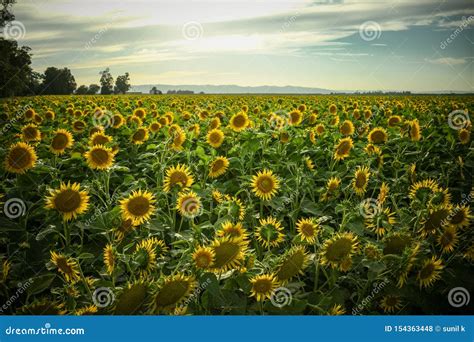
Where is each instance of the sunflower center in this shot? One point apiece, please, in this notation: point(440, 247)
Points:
point(215, 138)
point(343, 148)
point(263, 286)
point(378, 136)
point(203, 260)
point(100, 156)
point(291, 266)
point(139, 135)
point(265, 184)
point(60, 141)
point(64, 266)
point(239, 121)
point(179, 177)
point(67, 201)
point(171, 293)
point(226, 252)
point(307, 229)
point(427, 271)
point(19, 158)
point(30, 133)
point(361, 179)
point(395, 245)
point(339, 249)
point(138, 206)
point(100, 140)
point(217, 165)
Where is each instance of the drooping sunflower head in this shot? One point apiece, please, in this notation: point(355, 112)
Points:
point(177, 176)
point(269, 232)
point(203, 257)
point(381, 221)
point(434, 220)
point(138, 207)
point(295, 117)
point(218, 167)
point(30, 133)
point(144, 257)
point(67, 266)
point(429, 272)
point(125, 227)
point(448, 239)
point(265, 184)
point(131, 300)
point(189, 204)
point(390, 304)
point(361, 179)
point(238, 122)
point(383, 193)
point(440, 197)
point(337, 251)
point(173, 291)
point(333, 184)
point(307, 229)
point(461, 216)
point(20, 158)
point(99, 157)
point(293, 263)
point(414, 130)
point(140, 136)
point(464, 136)
point(378, 135)
point(61, 140)
point(396, 243)
point(343, 148)
point(229, 253)
point(109, 258)
point(347, 128)
point(215, 137)
point(263, 286)
point(422, 191)
point(69, 200)
point(229, 229)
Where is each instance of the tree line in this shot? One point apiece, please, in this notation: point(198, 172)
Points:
point(17, 77)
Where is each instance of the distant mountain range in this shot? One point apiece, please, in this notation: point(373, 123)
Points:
point(236, 89)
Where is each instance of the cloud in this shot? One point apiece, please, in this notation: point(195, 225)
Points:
point(447, 61)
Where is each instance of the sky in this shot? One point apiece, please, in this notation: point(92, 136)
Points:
point(333, 44)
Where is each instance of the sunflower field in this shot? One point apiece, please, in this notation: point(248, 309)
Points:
point(235, 204)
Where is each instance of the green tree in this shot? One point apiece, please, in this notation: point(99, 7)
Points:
point(82, 90)
point(93, 89)
point(122, 84)
point(58, 81)
point(106, 82)
point(6, 14)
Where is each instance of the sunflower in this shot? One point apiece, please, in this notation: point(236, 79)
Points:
point(179, 175)
point(337, 310)
point(140, 112)
point(69, 200)
point(99, 157)
point(333, 184)
point(464, 136)
point(117, 121)
point(371, 251)
point(461, 216)
point(62, 140)
point(140, 136)
point(203, 257)
point(381, 221)
point(269, 233)
point(138, 206)
point(332, 108)
point(189, 204)
point(179, 137)
point(30, 114)
point(414, 130)
point(394, 120)
point(265, 184)
point(337, 252)
point(383, 193)
point(469, 253)
point(68, 267)
point(218, 167)
point(229, 229)
point(215, 137)
point(87, 310)
point(145, 257)
point(20, 158)
point(319, 129)
point(347, 128)
point(434, 220)
point(390, 304)
point(238, 122)
point(233, 206)
point(131, 300)
point(78, 126)
point(109, 258)
point(43, 307)
point(430, 272)
point(154, 127)
point(99, 138)
point(448, 239)
point(309, 163)
point(159, 246)
point(30, 133)
point(173, 291)
point(423, 190)
point(343, 148)
point(293, 263)
point(361, 179)
point(307, 230)
point(229, 253)
point(263, 286)
point(125, 227)
point(378, 135)
point(295, 117)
